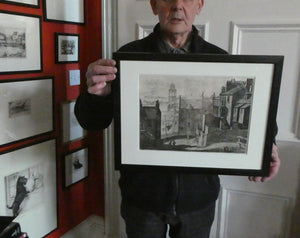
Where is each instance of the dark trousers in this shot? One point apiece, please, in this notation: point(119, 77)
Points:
point(144, 224)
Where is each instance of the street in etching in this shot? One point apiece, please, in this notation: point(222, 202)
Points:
point(195, 113)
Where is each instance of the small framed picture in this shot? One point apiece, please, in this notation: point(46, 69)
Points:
point(67, 48)
point(76, 166)
point(71, 130)
point(27, 3)
point(212, 113)
point(20, 43)
point(65, 11)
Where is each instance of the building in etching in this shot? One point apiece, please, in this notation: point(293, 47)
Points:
point(150, 125)
point(183, 117)
point(232, 107)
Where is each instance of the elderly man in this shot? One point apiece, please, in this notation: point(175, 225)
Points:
point(154, 199)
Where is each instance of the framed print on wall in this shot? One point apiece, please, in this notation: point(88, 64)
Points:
point(76, 166)
point(28, 3)
point(213, 113)
point(29, 190)
point(26, 107)
point(65, 11)
point(20, 43)
point(71, 130)
point(66, 48)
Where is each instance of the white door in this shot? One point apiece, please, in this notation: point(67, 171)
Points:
point(268, 27)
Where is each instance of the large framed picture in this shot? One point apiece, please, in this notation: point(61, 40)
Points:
point(76, 166)
point(20, 43)
point(214, 113)
point(71, 130)
point(67, 48)
point(28, 176)
point(65, 11)
point(27, 3)
point(26, 107)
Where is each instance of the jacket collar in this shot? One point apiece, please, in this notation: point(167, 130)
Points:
point(196, 40)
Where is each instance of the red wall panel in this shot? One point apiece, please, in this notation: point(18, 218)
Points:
point(79, 201)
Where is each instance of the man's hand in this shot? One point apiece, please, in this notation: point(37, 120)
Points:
point(274, 167)
point(99, 76)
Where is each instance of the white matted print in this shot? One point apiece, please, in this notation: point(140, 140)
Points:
point(29, 190)
point(20, 43)
point(30, 3)
point(76, 166)
point(71, 129)
point(211, 112)
point(26, 107)
point(71, 11)
point(66, 48)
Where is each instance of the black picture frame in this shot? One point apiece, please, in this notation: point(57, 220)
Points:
point(76, 12)
point(211, 113)
point(21, 43)
point(27, 107)
point(36, 163)
point(76, 166)
point(34, 4)
point(67, 48)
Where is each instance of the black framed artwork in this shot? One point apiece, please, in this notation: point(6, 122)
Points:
point(25, 3)
point(213, 113)
point(33, 171)
point(76, 166)
point(65, 11)
point(27, 108)
point(20, 43)
point(67, 48)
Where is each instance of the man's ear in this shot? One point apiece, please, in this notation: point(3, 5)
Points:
point(200, 5)
point(154, 6)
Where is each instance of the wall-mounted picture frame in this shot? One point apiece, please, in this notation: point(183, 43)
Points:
point(27, 107)
point(76, 166)
point(29, 188)
point(67, 48)
point(20, 43)
point(25, 3)
point(212, 113)
point(71, 129)
point(65, 11)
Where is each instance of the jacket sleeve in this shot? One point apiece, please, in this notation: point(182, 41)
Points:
point(94, 112)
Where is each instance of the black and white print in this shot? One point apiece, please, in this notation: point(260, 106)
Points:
point(192, 113)
point(76, 166)
point(12, 42)
point(19, 107)
point(24, 190)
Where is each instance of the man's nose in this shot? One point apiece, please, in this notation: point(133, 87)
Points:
point(177, 5)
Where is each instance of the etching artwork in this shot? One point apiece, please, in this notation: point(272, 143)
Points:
point(192, 113)
point(19, 107)
point(12, 42)
point(23, 190)
point(67, 47)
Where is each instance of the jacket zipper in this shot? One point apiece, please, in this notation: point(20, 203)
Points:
point(174, 208)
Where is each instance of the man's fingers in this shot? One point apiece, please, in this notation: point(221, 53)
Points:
point(96, 79)
point(105, 62)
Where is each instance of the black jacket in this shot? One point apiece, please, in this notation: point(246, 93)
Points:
point(155, 190)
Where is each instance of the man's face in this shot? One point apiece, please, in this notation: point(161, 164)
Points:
point(176, 16)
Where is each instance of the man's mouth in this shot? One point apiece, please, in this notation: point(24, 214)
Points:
point(176, 20)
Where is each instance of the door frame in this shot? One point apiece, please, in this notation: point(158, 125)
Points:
point(109, 45)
